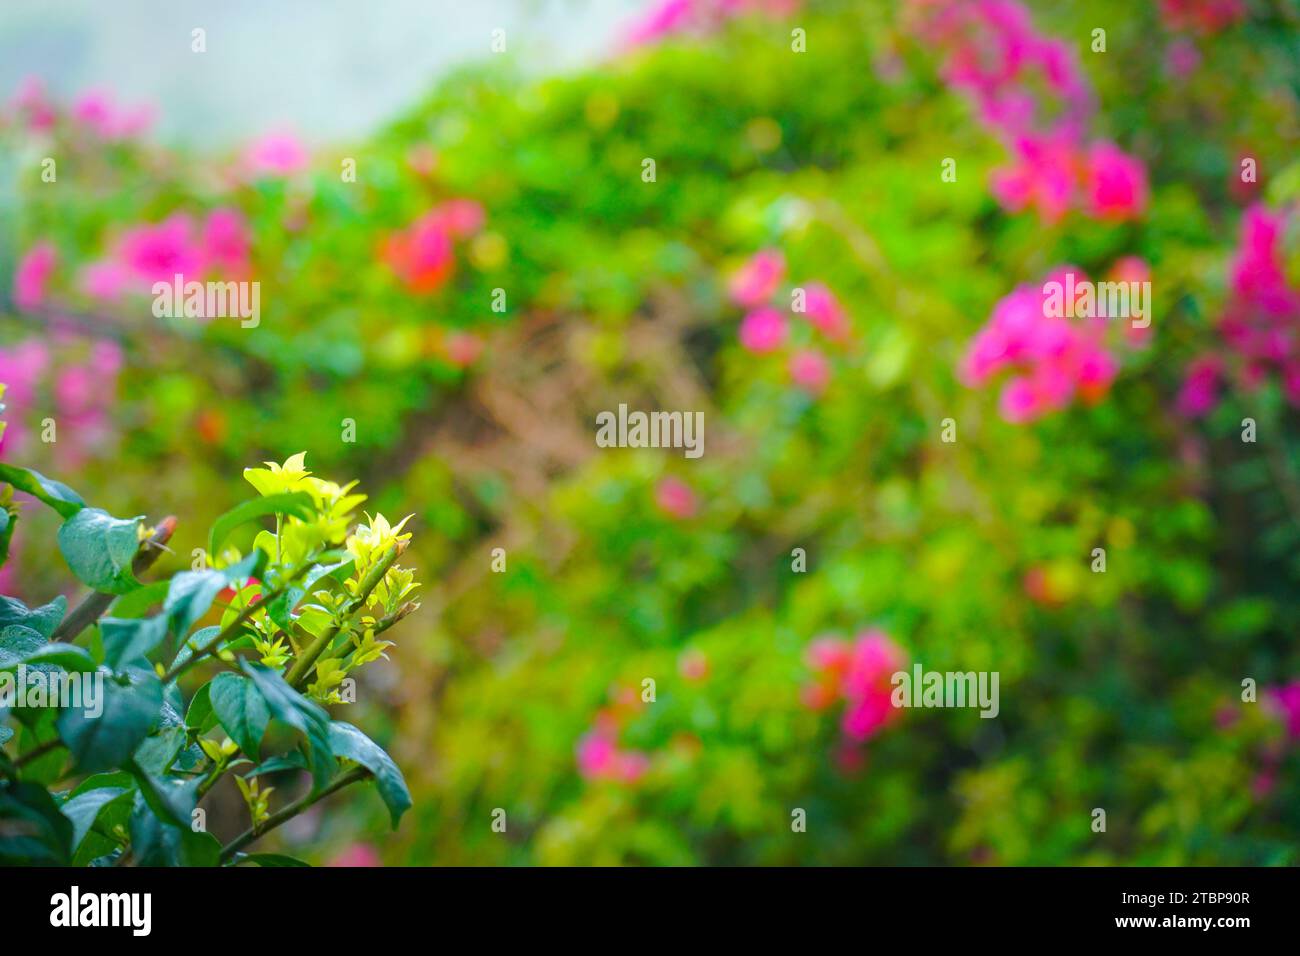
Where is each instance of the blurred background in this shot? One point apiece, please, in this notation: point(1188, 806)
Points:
point(822, 225)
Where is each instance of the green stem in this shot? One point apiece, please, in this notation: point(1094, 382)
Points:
point(232, 628)
point(298, 673)
point(37, 752)
point(289, 812)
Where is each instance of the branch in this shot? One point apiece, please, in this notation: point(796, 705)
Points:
point(305, 661)
point(96, 603)
point(37, 752)
point(289, 812)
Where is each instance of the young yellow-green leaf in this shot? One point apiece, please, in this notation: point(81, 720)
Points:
point(296, 503)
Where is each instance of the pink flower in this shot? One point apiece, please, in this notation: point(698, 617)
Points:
point(105, 279)
point(160, 252)
point(1117, 184)
point(421, 255)
point(1042, 178)
point(825, 313)
point(859, 673)
point(600, 758)
point(460, 217)
point(676, 499)
point(276, 154)
point(357, 855)
point(30, 102)
point(33, 275)
point(463, 349)
point(693, 665)
point(1181, 59)
point(226, 240)
point(810, 371)
point(763, 330)
point(96, 110)
point(758, 278)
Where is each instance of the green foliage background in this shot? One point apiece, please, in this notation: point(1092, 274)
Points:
point(616, 292)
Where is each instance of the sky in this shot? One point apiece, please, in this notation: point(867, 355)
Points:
point(329, 70)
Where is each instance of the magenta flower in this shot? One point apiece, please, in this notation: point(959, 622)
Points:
point(1286, 700)
point(1201, 384)
point(31, 103)
point(1117, 184)
point(460, 218)
point(758, 278)
point(763, 330)
point(96, 110)
point(160, 252)
point(33, 275)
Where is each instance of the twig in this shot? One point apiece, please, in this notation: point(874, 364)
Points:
point(301, 668)
point(289, 812)
point(96, 603)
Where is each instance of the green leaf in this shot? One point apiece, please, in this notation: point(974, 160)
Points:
point(127, 641)
point(199, 717)
point(17, 642)
point(43, 620)
point(70, 657)
point(268, 860)
point(8, 521)
point(85, 809)
point(156, 843)
point(35, 832)
point(192, 592)
point(347, 741)
point(137, 603)
point(100, 548)
point(54, 493)
point(291, 707)
point(296, 503)
point(130, 711)
point(171, 800)
point(194, 642)
point(240, 709)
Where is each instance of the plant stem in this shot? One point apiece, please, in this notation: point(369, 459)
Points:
point(96, 603)
point(291, 811)
point(302, 666)
point(37, 752)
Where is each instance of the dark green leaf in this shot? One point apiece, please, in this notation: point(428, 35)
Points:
point(43, 620)
point(128, 640)
point(138, 603)
point(192, 592)
point(130, 711)
point(199, 718)
point(241, 710)
point(291, 707)
point(156, 843)
point(83, 810)
point(32, 830)
point(347, 741)
point(100, 548)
